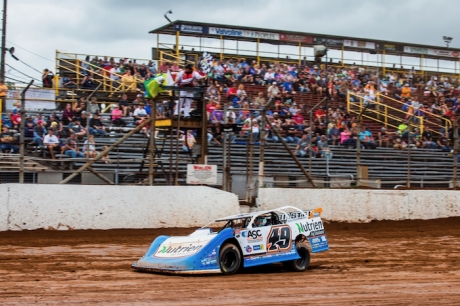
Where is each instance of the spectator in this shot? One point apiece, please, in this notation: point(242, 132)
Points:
point(83, 119)
point(427, 139)
point(7, 141)
point(384, 137)
point(47, 78)
point(139, 113)
point(96, 127)
point(71, 147)
point(87, 82)
point(76, 127)
point(67, 114)
point(51, 142)
point(161, 112)
point(89, 147)
point(79, 106)
point(303, 147)
point(116, 117)
point(323, 146)
point(125, 105)
point(406, 91)
point(39, 133)
point(273, 90)
point(188, 141)
point(93, 106)
point(67, 82)
point(443, 143)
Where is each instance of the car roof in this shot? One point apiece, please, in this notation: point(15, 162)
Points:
point(280, 210)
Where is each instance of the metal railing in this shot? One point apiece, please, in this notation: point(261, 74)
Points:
point(382, 114)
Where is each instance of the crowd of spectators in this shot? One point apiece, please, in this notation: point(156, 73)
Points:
point(231, 85)
point(230, 81)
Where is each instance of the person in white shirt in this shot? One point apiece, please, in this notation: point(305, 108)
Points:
point(273, 90)
point(51, 142)
point(186, 78)
point(269, 76)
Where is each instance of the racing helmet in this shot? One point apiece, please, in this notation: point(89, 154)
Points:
point(260, 221)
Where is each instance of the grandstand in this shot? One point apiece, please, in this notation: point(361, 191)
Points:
point(142, 159)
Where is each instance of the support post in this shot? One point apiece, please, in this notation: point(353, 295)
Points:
point(299, 164)
point(2, 59)
point(455, 174)
point(23, 125)
point(103, 153)
point(258, 55)
point(262, 150)
point(300, 54)
point(221, 51)
point(153, 111)
point(224, 151)
point(384, 71)
point(177, 47)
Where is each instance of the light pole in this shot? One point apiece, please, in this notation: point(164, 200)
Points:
point(319, 52)
point(447, 40)
point(166, 15)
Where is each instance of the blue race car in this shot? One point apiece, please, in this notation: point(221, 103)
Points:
point(286, 234)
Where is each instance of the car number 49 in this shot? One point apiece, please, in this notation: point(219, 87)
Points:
point(279, 239)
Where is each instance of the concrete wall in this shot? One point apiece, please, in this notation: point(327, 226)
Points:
point(366, 205)
point(28, 207)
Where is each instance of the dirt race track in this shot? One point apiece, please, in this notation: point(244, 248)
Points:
point(390, 263)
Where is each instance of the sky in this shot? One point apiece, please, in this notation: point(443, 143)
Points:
point(120, 27)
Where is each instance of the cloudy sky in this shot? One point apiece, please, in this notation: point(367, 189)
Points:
point(120, 27)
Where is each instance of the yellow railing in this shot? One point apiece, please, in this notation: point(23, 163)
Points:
point(429, 116)
point(71, 63)
point(381, 112)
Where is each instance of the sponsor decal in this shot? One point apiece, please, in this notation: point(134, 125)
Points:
point(225, 32)
point(258, 247)
point(248, 249)
point(296, 38)
point(331, 42)
point(190, 28)
point(243, 33)
point(319, 244)
point(237, 233)
point(295, 215)
point(416, 50)
point(391, 47)
point(179, 249)
point(311, 227)
point(253, 236)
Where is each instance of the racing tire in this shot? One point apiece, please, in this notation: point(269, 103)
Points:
point(230, 259)
point(301, 264)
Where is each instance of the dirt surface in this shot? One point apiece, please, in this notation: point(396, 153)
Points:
point(390, 263)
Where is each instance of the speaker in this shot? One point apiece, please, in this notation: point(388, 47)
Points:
point(319, 50)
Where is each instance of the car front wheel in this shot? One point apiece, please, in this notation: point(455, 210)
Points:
point(230, 259)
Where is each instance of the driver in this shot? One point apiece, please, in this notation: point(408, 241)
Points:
point(260, 221)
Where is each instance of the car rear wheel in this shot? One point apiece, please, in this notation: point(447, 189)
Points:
point(230, 259)
point(301, 264)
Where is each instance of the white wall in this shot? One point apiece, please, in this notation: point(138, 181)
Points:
point(104, 207)
point(366, 205)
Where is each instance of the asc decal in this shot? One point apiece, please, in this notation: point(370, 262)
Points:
point(178, 250)
point(252, 236)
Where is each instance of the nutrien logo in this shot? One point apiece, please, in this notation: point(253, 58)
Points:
point(178, 250)
point(308, 227)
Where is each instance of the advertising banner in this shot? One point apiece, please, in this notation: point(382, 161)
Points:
point(243, 33)
point(191, 28)
point(435, 52)
point(202, 174)
point(296, 38)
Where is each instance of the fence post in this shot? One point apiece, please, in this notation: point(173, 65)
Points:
point(23, 125)
point(455, 130)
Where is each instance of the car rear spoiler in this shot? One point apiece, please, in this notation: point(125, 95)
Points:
point(310, 213)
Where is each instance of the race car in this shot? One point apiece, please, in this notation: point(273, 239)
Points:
point(227, 245)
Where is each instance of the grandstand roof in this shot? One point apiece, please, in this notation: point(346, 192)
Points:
point(282, 37)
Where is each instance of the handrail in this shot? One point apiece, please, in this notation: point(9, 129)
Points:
point(385, 115)
point(449, 122)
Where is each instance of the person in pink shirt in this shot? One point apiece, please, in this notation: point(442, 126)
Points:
point(345, 136)
point(117, 114)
